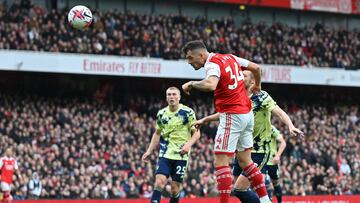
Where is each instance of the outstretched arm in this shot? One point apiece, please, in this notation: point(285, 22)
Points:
point(206, 85)
point(281, 149)
point(277, 111)
point(213, 117)
point(153, 143)
point(254, 69)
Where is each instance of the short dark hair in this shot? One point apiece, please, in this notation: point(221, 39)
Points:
point(192, 45)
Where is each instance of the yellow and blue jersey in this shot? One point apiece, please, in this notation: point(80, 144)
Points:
point(262, 106)
point(175, 128)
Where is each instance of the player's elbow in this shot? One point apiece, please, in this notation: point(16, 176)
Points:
point(254, 68)
point(209, 87)
point(212, 87)
point(257, 69)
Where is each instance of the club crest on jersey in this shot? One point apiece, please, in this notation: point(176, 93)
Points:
point(9, 167)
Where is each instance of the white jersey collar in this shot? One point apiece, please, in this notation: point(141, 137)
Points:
point(209, 57)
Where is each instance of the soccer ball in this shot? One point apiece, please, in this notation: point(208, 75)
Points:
point(80, 17)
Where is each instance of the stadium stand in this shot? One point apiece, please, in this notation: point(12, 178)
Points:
point(30, 27)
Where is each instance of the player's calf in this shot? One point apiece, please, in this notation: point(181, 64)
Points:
point(223, 176)
point(160, 182)
point(175, 192)
point(156, 196)
point(6, 197)
point(242, 191)
point(257, 182)
point(277, 191)
point(224, 180)
point(268, 188)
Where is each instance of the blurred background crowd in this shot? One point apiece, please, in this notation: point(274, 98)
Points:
point(82, 149)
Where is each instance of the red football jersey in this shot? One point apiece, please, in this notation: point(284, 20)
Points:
point(7, 166)
point(230, 93)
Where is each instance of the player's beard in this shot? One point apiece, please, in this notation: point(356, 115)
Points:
point(247, 85)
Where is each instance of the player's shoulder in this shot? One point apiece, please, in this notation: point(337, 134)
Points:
point(211, 65)
point(214, 61)
point(215, 56)
point(186, 108)
point(218, 58)
point(4, 158)
point(264, 93)
point(260, 95)
point(221, 57)
point(162, 111)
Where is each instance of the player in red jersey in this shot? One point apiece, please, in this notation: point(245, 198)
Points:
point(233, 107)
point(8, 165)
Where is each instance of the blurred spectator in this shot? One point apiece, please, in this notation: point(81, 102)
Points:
point(35, 186)
point(345, 168)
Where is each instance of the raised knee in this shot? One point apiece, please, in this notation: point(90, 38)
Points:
point(222, 160)
point(160, 183)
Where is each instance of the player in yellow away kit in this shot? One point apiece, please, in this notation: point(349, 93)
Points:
point(176, 133)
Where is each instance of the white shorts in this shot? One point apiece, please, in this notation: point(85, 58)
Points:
point(235, 132)
point(5, 187)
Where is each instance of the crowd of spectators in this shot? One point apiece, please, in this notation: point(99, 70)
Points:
point(82, 149)
point(24, 26)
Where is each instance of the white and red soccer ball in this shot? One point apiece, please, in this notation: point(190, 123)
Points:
point(80, 17)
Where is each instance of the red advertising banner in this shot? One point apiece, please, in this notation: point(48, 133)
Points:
point(286, 199)
point(336, 6)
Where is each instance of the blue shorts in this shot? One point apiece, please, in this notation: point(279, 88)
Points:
point(174, 168)
point(273, 171)
point(260, 159)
